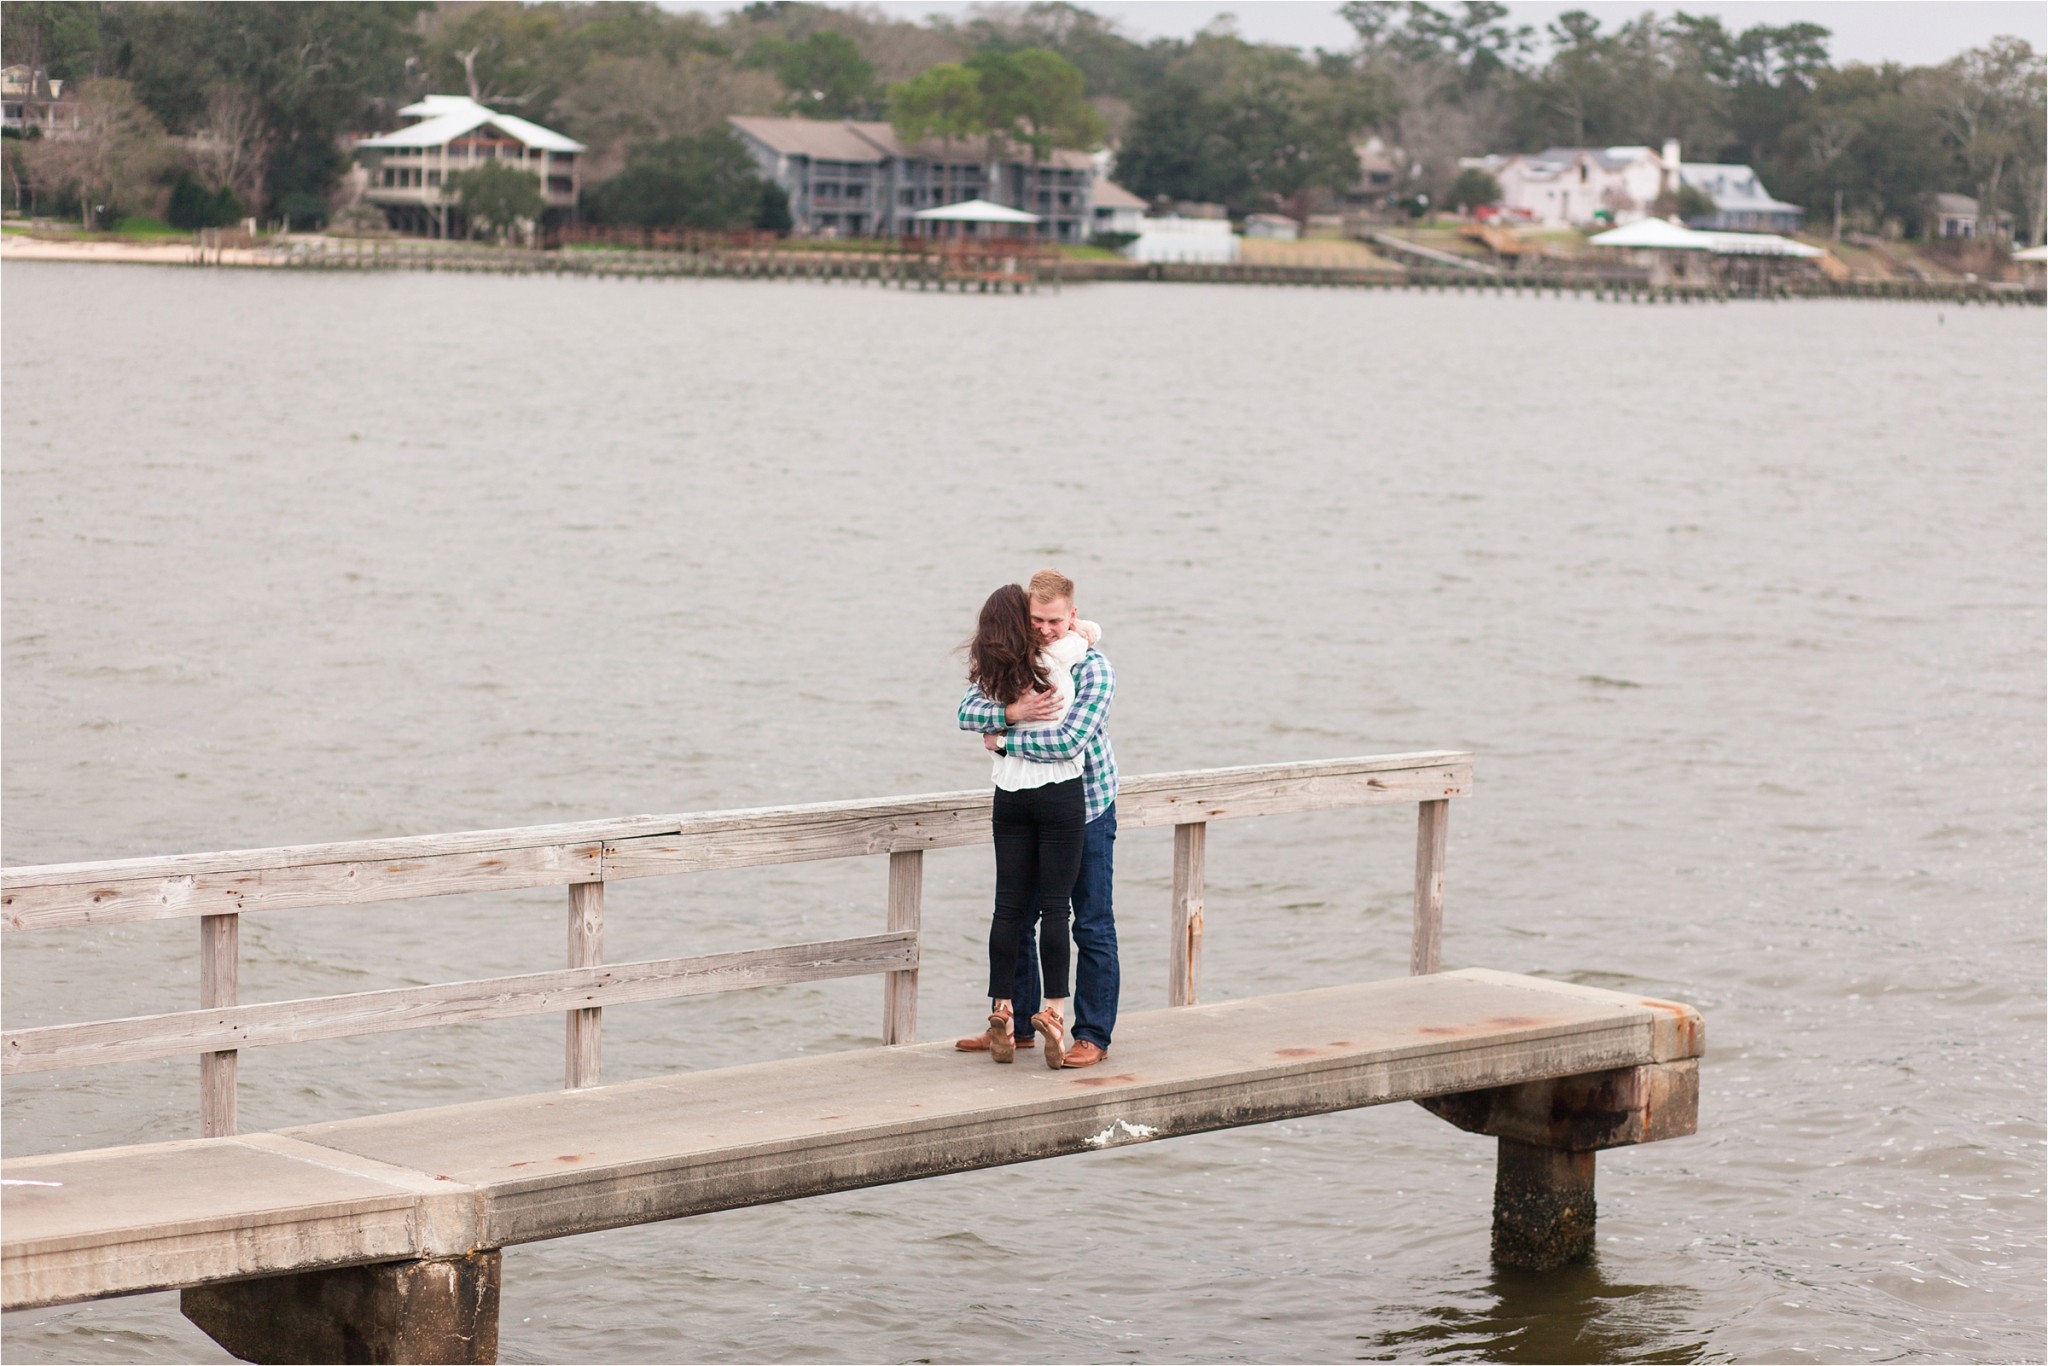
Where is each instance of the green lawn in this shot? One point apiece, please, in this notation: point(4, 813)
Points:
point(141, 228)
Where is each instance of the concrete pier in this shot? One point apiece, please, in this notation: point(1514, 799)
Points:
point(404, 1199)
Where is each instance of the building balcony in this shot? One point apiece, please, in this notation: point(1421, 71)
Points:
point(435, 196)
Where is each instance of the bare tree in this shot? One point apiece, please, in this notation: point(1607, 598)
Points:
point(116, 159)
point(622, 100)
point(1990, 95)
point(232, 147)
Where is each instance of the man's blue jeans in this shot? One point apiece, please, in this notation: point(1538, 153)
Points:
point(1097, 979)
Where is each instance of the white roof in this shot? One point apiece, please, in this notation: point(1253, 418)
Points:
point(1760, 244)
point(444, 118)
point(975, 211)
point(1659, 234)
point(1733, 188)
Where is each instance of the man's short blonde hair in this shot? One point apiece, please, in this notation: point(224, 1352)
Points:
point(1049, 585)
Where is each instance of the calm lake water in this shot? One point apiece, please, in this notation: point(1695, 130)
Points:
point(1740, 607)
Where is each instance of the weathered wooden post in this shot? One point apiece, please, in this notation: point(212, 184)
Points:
point(220, 960)
point(583, 1043)
point(906, 913)
point(1184, 955)
point(1432, 827)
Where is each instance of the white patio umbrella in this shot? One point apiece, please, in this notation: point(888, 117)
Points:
point(975, 211)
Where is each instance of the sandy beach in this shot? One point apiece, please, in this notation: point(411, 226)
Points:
point(18, 248)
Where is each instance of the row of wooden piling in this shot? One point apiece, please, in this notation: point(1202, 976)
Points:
point(902, 270)
point(905, 270)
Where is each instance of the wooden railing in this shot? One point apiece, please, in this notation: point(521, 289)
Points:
point(220, 888)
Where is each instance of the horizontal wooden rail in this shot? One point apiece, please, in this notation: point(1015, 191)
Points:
point(60, 895)
point(143, 1037)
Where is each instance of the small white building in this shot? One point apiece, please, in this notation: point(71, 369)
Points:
point(1958, 216)
point(1115, 209)
point(1172, 238)
point(409, 170)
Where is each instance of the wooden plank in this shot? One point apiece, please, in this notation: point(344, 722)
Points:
point(52, 896)
point(1221, 795)
point(1184, 953)
point(220, 961)
point(1432, 827)
point(583, 1045)
point(959, 819)
point(906, 916)
point(803, 837)
point(296, 887)
point(139, 1038)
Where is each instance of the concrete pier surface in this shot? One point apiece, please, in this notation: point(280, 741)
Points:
point(447, 1182)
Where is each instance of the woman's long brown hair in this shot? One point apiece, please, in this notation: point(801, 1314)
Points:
point(1003, 656)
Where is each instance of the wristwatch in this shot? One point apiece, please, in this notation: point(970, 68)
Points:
point(1002, 743)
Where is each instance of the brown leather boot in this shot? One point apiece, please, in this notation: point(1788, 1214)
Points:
point(978, 1043)
point(1084, 1054)
point(1002, 1046)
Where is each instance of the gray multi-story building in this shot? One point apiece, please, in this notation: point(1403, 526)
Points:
point(857, 179)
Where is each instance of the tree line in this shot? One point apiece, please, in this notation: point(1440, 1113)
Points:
point(249, 105)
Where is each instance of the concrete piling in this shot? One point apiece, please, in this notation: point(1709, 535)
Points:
point(439, 1310)
point(1543, 1209)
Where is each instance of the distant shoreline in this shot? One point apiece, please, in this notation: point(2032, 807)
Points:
point(315, 253)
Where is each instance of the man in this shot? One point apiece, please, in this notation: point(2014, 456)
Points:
point(1081, 733)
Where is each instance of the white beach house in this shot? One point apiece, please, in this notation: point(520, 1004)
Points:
point(409, 170)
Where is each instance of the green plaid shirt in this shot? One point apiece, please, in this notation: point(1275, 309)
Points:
point(1080, 733)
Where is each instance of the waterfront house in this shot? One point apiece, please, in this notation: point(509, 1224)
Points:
point(1583, 187)
point(1115, 209)
point(1741, 204)
point(1957, 217)
point(409, 170)
point(32, 101)
point(1562, 187)
point(856, 178)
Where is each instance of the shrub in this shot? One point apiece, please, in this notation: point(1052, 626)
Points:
point(1112, 241)
point(773, 215)
point(1474, 187)
point(693, 182)
point(303, 211)
point(1690, 203)
point(498, 197)
point(195, 206)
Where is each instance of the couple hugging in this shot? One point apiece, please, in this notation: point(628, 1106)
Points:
point(1039, 696)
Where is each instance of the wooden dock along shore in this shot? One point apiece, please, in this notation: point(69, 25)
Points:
point(384, 1234)
point(989, 272)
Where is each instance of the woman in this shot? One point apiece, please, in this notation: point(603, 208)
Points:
point(1038, 819)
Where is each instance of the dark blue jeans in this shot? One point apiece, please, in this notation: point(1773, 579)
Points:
point(1097, 981)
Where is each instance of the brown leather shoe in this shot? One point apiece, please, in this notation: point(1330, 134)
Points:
point(1081, 1053)
point(978, 1043)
